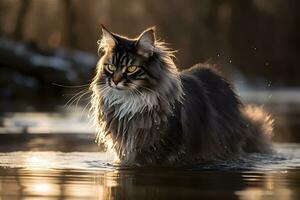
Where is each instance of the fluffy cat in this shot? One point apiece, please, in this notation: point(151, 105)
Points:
point(149, 113)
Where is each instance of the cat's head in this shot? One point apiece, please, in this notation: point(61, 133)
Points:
point(132, 64)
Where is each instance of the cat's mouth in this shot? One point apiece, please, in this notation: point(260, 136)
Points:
point(119, 86)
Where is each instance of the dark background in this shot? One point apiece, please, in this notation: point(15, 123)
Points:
point(260, 38)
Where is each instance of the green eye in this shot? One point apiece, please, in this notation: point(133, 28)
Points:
point(111, 67)
point(132, 69)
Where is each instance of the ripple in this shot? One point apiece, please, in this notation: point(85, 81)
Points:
point(286, 156)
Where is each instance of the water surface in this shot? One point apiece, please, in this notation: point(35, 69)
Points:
point(90, 175)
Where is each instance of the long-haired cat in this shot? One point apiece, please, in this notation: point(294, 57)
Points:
point(149, 113)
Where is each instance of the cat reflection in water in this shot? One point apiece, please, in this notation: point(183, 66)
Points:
point(149, 113)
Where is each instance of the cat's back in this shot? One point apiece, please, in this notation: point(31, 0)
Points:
point(207, 82)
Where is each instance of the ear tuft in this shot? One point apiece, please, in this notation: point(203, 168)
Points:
point(145, 43)
point(108, 41)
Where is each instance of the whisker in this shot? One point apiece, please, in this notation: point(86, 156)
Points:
point(78, 99)
point(70, 86)
point(70, 101)
point(84, 109)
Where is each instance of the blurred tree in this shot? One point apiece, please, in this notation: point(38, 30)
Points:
point(21, 15)
point(70, 23)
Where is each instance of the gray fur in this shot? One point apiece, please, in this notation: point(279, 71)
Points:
point(177, 118)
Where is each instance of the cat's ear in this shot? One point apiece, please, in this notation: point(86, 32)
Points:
point(108, 41)
point(145, 42)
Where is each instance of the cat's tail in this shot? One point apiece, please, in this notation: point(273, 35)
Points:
point(259, 129)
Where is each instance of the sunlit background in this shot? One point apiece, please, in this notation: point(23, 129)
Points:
point(48, 52)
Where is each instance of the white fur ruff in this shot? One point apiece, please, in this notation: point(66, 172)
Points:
point(127, 103)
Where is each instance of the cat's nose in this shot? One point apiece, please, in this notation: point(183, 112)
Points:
point(117, 79)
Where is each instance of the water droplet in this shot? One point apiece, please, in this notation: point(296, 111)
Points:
point(269, 84)
point(230, 61)
point(218, 55)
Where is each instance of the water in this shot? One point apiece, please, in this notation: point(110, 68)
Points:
point(47, 162)
point(91, 175)
point(285, 157)
point(134, 184)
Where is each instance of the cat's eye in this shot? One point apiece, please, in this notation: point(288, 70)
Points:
point(111, 67)
point(132, 69)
